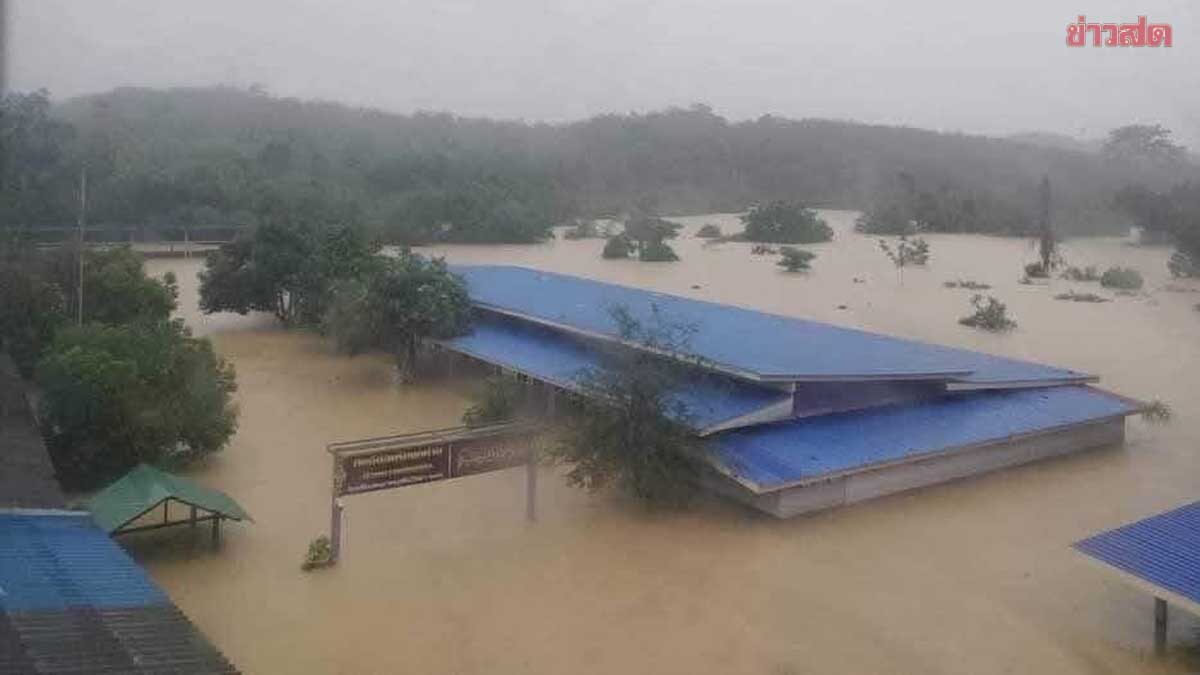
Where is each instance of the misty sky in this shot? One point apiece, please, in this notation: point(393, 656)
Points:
point(995, 67)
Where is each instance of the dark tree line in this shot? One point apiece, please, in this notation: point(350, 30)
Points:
point(226, 156)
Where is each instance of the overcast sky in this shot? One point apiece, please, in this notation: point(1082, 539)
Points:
point(995, 67)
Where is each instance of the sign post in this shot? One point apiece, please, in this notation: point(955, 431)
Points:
point(410, 459)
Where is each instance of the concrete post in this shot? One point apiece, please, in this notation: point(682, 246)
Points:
point(335, 530)
point(216, 530)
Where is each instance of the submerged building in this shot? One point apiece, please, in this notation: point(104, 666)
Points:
point(800, 415)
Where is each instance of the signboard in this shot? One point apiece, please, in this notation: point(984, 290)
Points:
point(411, 459)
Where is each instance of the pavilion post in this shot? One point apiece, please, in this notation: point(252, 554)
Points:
point(216, 530)
point(1160, 626)
point(192, 516)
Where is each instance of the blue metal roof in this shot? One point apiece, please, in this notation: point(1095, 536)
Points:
point(561, 359)
point(749, 343)
point(773, 456)
point(58, 562)
point(1163, 550)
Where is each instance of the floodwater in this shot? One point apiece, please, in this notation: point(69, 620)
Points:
point(975, 576)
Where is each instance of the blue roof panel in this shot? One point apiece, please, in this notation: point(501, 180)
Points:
point(56, 562)
point(773, 456)
point(1163, 550)
point(750, 343)
point(561, 360)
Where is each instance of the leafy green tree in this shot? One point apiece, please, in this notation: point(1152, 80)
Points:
point(795, 259)
point(990, 314)
point(113, 396)
point(288, 270)
point(116, 289)
point(397, 303)
point(616, 247)
point(656, 251)
point(628, 430)
point(31, 311)
point(781, 222)
point(1048, 252)
point(906, 253)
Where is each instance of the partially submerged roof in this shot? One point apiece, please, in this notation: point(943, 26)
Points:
point(745, 342)
point(145, 487)
point(72, 601)
point(711, 402)
point(775, 456)
point(1160, 553)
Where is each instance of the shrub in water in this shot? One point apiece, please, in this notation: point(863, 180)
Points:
point(320, 554)
point(795, 259)
point(1036, 270)
point(990, 314)
point(1080, 297)
point(1125, 278)
point(1158, 412)
point(656, 251)
point(967, 284)
point(1089, 273)
point(709, 231)
point(617, 247)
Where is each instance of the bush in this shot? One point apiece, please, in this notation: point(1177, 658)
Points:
point(1089, 273)
point(709, 231)
point(781, 222)
point(794, 259)
point(1157, 412)
point(967, 284)
point(1080, 297)
point(616, 248)
point(888, 219)
point(656, 251)
point(501, 399)
point(1183, 266)
point(1124, 278)
point(582, 229)
point(990, 314)
point(1036, 270)
point(320, 554)
point(114, 396)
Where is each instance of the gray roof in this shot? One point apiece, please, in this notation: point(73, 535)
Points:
point(26, 474)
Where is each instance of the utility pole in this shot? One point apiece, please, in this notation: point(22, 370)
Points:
point(82, 222)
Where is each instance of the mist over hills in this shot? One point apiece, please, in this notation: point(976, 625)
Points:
point(214, 154)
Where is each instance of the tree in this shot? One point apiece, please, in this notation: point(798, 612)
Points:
point(781, 222)
point(116, 395)
point(628, 430)
point(990, 314)
point(36, 186)
point(396, 303)
point(286, 269)
point(1143, 143)
point(906, 253)
point(617, 247)
point(32, 310)
point(1047, 241)
point(795, 259)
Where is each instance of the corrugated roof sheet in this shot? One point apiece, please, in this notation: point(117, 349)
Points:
point(776, 455)
point(560, 359)
point(749, 343)
point(72, 601)
point(1162, 550)
point(145, 487)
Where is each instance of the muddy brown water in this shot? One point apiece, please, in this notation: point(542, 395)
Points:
point(974, 576)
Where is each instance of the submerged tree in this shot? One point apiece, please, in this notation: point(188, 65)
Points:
point(630, 429)
point(795, 259)
point(781, 222)
point(395, 304)
point(114, 396)
point(1048, 252)
point(906, 252)
point(990, 314)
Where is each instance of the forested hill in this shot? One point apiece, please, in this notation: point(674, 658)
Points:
point(216, 155)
